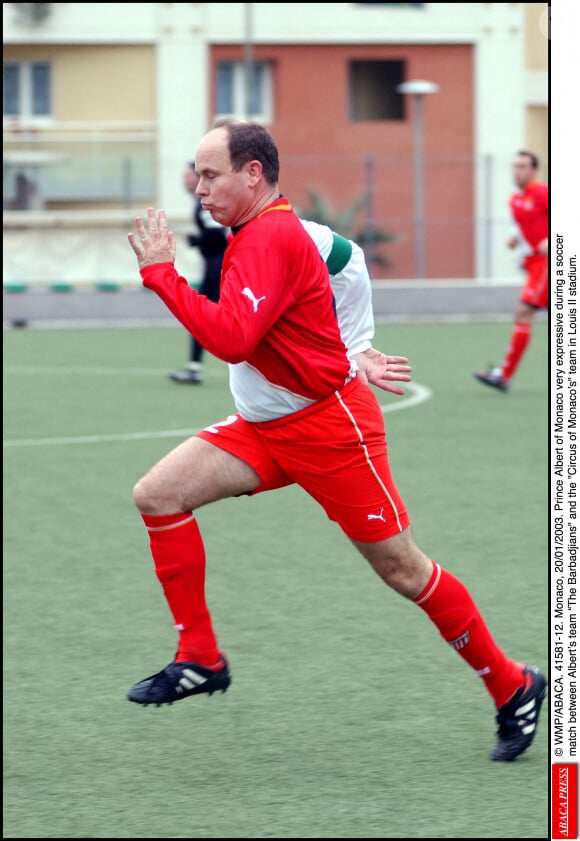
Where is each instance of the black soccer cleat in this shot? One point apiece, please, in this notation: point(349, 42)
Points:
point(518, 719)
point(180, 680)
point(492, 378)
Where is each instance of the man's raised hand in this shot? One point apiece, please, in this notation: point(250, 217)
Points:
point(154, 244)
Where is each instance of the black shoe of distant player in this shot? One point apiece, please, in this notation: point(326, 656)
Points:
point(492, 378)
point(518, 719)
point(186, 376)
point(180, 680)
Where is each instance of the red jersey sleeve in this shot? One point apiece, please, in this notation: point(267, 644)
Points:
point(276, 308)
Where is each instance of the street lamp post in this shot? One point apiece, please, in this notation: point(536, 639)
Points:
point(418, 88)
point(248, 60)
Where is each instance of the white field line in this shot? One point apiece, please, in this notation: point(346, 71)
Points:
point(415, 395)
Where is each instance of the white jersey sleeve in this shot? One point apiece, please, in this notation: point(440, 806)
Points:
point(352, 290)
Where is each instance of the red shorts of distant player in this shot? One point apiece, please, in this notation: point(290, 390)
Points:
point(336, 450)
point(535, 291)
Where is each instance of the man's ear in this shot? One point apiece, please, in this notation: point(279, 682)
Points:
point(254, 170)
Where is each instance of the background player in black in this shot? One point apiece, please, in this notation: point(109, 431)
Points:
point(211, 240)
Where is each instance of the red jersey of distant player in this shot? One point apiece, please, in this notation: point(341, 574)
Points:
point(530, 212)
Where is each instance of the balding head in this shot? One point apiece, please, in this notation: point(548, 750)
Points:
point(238, 167)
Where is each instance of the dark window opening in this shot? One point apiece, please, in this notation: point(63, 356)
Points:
point(372, 90)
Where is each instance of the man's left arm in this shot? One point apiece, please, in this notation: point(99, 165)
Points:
point(353, 298)
point(382, 370)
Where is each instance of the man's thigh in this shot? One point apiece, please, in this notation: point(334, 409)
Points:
point(196, 473)
point(240, 439)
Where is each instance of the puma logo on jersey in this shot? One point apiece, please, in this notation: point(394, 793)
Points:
point(255, 301)
point(377, 516)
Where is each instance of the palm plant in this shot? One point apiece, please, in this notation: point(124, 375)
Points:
point(343, 222)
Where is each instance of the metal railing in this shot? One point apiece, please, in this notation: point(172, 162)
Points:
point(110, 164)
point(75, 171)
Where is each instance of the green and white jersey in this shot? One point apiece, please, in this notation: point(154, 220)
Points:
point(350, 283)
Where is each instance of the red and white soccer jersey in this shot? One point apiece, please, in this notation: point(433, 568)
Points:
point(275, 322)
point(303, 415)
point(530, 212)
point(351, 285)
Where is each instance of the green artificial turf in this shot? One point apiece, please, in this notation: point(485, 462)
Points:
point(348, 716)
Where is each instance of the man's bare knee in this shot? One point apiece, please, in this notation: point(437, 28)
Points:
point(524, 312)
point(194, 474)
point(142, 498)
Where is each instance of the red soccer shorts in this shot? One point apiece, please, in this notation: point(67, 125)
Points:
point(535, 291)
point(335, 449)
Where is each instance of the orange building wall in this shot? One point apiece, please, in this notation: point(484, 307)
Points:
point(321, 150)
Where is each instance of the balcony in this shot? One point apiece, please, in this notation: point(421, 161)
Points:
point(75, 166)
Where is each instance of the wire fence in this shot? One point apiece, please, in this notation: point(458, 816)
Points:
point(458, 231)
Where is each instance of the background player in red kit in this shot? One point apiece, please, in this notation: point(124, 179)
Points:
point(529, 209)
point(303, 416)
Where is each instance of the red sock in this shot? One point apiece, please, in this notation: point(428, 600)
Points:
point(448, 604)
point(179, 558)
point(521, 335)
